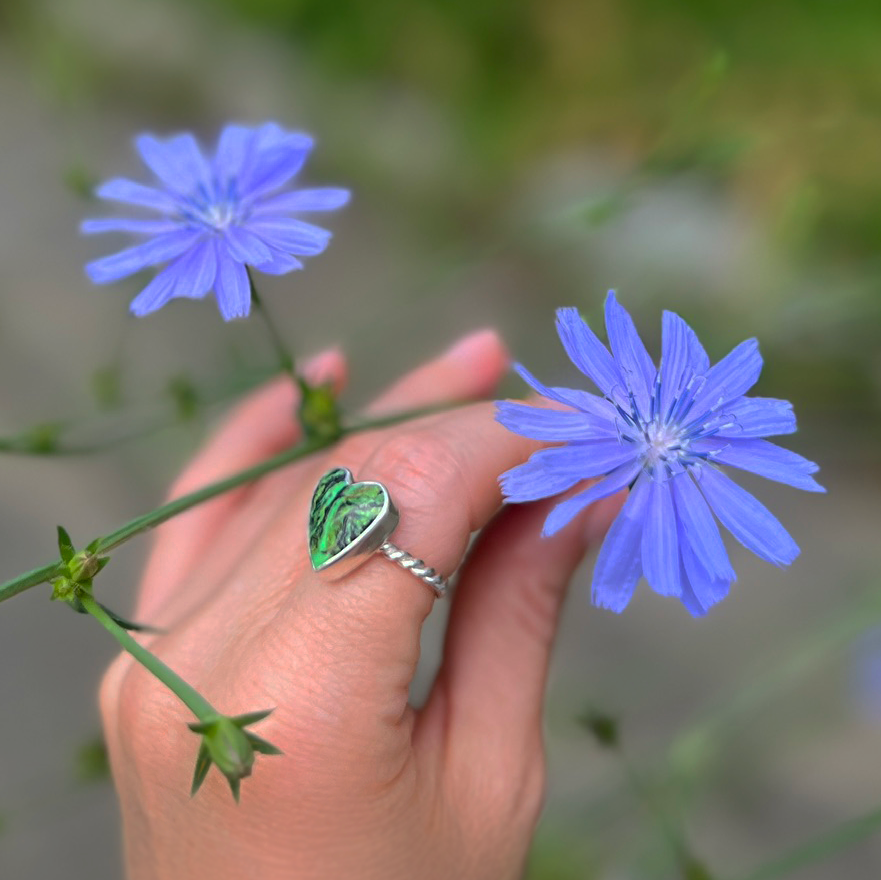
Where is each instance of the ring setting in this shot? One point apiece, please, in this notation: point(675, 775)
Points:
point(349, 521)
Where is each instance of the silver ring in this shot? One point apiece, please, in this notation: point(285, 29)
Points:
point(349, 521)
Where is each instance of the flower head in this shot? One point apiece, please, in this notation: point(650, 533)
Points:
point(663, 432)
point(216, 216)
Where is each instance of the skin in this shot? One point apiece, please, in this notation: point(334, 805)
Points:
point(368, 787)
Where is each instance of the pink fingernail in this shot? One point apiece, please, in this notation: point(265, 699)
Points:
point(475, 346)
point(324, 366)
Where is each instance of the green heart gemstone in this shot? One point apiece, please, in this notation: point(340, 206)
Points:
point(343, 512)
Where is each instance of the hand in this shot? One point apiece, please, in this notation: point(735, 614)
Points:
point(368, 787)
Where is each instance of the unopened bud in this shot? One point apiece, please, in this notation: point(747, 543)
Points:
point(84, 566)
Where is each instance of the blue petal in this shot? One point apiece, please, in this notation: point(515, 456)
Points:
point(589, 403)
point(198, 270)
point(177, 162)
point(136, 227)
point(541, 423)
point(245, 247)
point(758, 417)
point(559, 395)
point(698, 529)
point(156, 294)
point(291, 236)
point(703, 589)
point(327, 199)
point(619, 563)
point(191, 276)
point(660, 543)
point(747, 518)
point(536, 479)
point(551, 471)
point(157, 250)
point(279, 264)
point(682, 358)
point(629, 351)
point(733, 376)
point(567, 510)
point(767, 460)
point(276, 157)
point(131, 193)
point(232, 287)
point(589, 354)
point(582, 400)
point(689, 599)
point(233, 147)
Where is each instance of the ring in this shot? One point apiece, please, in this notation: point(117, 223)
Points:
point(349, 522)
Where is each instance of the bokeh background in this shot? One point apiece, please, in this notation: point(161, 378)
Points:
point(506, 157)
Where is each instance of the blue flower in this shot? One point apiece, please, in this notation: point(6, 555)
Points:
point(216, 216)
point(663, 432)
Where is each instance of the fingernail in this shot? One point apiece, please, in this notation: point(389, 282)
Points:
point(475, 346)
point(324, 367)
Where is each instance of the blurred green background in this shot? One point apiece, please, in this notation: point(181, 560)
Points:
point(719, 159)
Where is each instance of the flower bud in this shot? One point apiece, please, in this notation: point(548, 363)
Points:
point(229, 749)
point(318, 412)
point(84, 566)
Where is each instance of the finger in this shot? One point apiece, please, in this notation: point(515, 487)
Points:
point(501, 631)
point(259, 427)
point(442, 475)
point(471, 368)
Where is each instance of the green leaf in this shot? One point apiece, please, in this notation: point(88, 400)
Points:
point(251, 717)
point(203, 726)
point(91, 762)
point(234, 786)
point(42, 439)
point(261, 745)
point(65, 545)
point(129, 625)
point(184, 396)
point(602, 726)
point(203, 764)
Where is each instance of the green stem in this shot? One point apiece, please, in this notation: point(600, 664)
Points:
point(31, 442)
point(652, 802)
point(820, 848)
point(285, 358)
point(189, 696)
point(185, 502)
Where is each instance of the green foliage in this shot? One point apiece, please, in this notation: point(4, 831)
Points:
point(91, 763)
point(318, 412)
point(184, 396)
point(603, 728)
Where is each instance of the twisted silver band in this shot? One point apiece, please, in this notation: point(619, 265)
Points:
point(416, 566)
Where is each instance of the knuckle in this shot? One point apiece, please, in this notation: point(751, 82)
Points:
point(421, 466)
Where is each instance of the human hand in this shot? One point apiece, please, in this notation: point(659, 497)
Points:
point(368, 787)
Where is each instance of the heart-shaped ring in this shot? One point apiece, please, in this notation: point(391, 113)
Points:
point(349, 521)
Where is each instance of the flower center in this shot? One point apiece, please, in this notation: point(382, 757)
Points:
point(664, 440)
point(219, 216)
point(215, 209)
point(665, 452)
